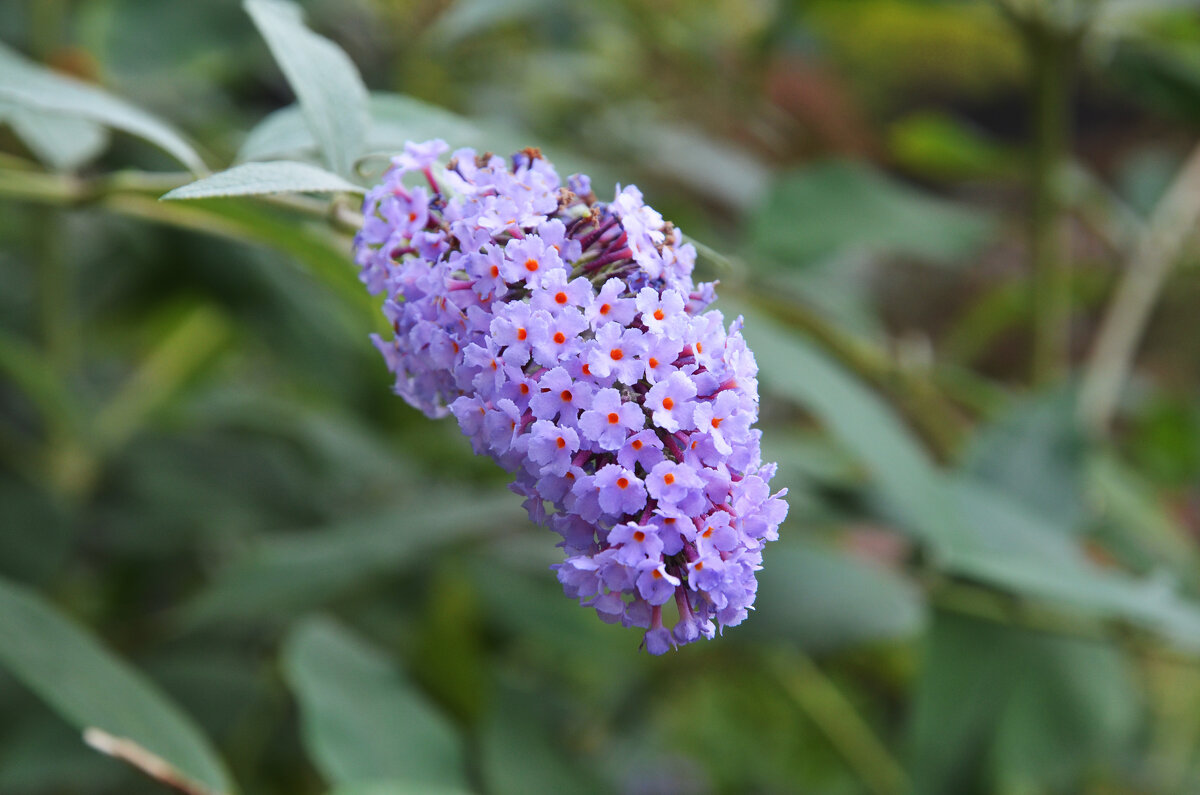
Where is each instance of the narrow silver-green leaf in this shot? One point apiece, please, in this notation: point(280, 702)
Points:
point(327, 84)
point(792, 368)
point(256, 179)
point(825, 599)
point(62, 142)
point(90, 687)
point(31, 86)
point(362, 721)
point(300, 571)
point(395, 118)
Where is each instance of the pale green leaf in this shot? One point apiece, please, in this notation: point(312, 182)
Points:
point(62, 142)
point(90, 687)
point(362, 720)
point(865, 425)
point(395, 119)
point(297, 571)
point(31, 86)
point(257, 179)
point(823, 599)
point(836, 206)
point(326, 82)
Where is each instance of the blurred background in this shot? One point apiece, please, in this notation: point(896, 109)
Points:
point(961, 233)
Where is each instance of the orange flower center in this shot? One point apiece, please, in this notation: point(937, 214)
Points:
point(604, 309)
point(560, 297)
point(522, 334)
point(668, 478)
point(653, 363)
point(639, 536)
point(668, 404)
point(617, 354)
point(531, 265)
point(636, 444)
point(658, 314)
point(613, 418)
point(716, 422)
point(559, 337)
point(565, 395)
point(561, 443)
point(622, 483)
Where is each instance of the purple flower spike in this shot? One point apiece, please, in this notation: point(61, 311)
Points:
point(568, 339)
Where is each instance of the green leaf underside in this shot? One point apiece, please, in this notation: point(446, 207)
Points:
point(327, 84)
point(395, 118)
point(89, 687)
point(825, 599)
point(361, 720)
point(30, 86)
point(973, 530)
point(303, 571)
point(834, 206)
point(256, 179)
point(62, 142)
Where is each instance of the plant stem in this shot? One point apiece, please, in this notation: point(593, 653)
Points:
point(1125, 321)
point(836, 717)
point(1051, 61)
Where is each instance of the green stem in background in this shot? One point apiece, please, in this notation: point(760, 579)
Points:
point(55, 313)
point(836, 717)
point(1051, 63)
point(182, 352)
point(1172, 223)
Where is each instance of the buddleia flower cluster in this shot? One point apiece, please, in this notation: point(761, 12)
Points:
point(567, 337)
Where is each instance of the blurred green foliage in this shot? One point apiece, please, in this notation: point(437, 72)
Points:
point(224, 542)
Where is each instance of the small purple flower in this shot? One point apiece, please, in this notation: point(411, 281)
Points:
point(654, 583)
point(635, 543)
point(643, 449)
point(620, 491)
point(560, 395)
point(609, 421)
point(722, 420)
point(615, 351)
point(529, 260)
point(552, 447)
point(676, 485)
point(610, 306)
point(670, 402)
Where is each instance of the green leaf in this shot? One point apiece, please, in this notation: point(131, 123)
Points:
point(792, 368)
point(62, 142)
point(362, 721)
point(90, 687)
point(397, 788)
point(998, 709)
point(824, 599)
point(940, 145)
point(521, 746)
point(719, 169)
point(256, 179)
point(395, 119)
point(1022, 552)
point(835, 206)
point(1034, 452)
point(298, 571)
point(28, 85)
point(327, 84)
point(973, 530)
point(465, 18)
